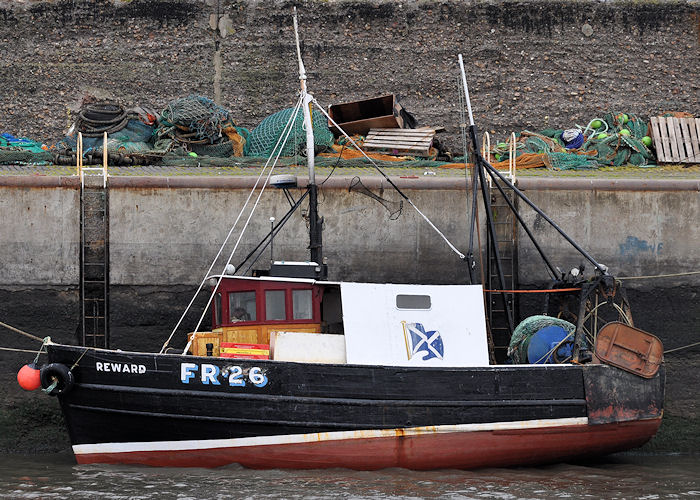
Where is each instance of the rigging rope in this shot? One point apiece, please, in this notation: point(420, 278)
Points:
point(278, 147)
point(235, 223)
point(454, 249)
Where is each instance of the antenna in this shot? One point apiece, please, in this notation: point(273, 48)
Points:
point(308, 122)
point(466, 90)
point(302, 70)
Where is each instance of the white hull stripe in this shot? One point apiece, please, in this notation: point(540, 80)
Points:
point(81, 449)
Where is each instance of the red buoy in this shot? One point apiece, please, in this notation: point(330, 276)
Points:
point(29, 377)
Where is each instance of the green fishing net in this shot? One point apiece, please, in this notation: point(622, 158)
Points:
point(520, 341)
point(618, 141)
point(20, 150)
point(264, 137)
point(197, 124)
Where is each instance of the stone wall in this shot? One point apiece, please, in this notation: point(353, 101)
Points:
point(530, 64)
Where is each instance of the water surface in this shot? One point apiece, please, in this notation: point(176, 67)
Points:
point(621, 476)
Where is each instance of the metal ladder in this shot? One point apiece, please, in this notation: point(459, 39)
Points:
point(94, 251)
point(506, 225)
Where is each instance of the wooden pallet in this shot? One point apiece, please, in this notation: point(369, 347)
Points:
point(404, 141)
point(676, 139)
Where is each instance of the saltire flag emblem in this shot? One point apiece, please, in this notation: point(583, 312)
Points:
point(420, 341)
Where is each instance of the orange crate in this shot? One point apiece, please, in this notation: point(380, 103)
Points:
point(245, 351)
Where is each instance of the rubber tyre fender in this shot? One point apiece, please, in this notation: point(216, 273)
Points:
point(58, 372)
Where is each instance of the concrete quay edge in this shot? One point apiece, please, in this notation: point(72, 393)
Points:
point(343, 182)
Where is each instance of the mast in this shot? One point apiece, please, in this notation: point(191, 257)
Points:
point(479, 177)
point(315, 222)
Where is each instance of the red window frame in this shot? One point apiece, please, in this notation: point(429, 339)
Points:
point(259, 287)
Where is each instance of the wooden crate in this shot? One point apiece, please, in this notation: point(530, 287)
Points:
point(414, 142)
point(201, 339)
point(358, 117)
point(676, 139)
point(260, 334)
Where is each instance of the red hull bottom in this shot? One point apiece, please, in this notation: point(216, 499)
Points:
point(426, 450)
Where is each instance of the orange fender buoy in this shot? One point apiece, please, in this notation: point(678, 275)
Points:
point(29, 377)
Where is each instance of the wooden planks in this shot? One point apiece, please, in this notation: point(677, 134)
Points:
point(677, 140)
point(415, 142)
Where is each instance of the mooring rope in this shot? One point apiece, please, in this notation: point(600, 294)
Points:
point(682, 347)
point(20, 350)
point(17, 330)
point(689, 273)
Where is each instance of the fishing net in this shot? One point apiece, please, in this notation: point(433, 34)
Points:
point(618, 141)
point(264, 137)
point(622, 145)
point(520, 341)
point(616, 150)
point(15, 156)
point(569, 161)
point(23, 143)
point(20, 150)
point(197, 124)
point(134, 136)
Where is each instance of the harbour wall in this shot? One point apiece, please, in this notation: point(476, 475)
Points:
point(164, 231)
point(530, 64)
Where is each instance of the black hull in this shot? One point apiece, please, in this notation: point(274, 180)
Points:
point(153, 404)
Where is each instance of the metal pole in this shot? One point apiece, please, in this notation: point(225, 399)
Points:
point(272, 235)
point(315, 222)
point(217, 56)
point(479, 174)
point(522, 196)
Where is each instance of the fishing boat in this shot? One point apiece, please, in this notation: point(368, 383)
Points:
point(299, 371)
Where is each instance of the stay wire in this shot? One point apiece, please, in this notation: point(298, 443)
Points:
point(454, 249)
point(682, 347)
point(270, 235)
point(235, 223)
point(673, 275)
point(278, 148)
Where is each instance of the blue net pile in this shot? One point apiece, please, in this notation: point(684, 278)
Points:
point(519, 342)
point(21, 150)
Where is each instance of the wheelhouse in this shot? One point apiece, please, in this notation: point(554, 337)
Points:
point(248, 310)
